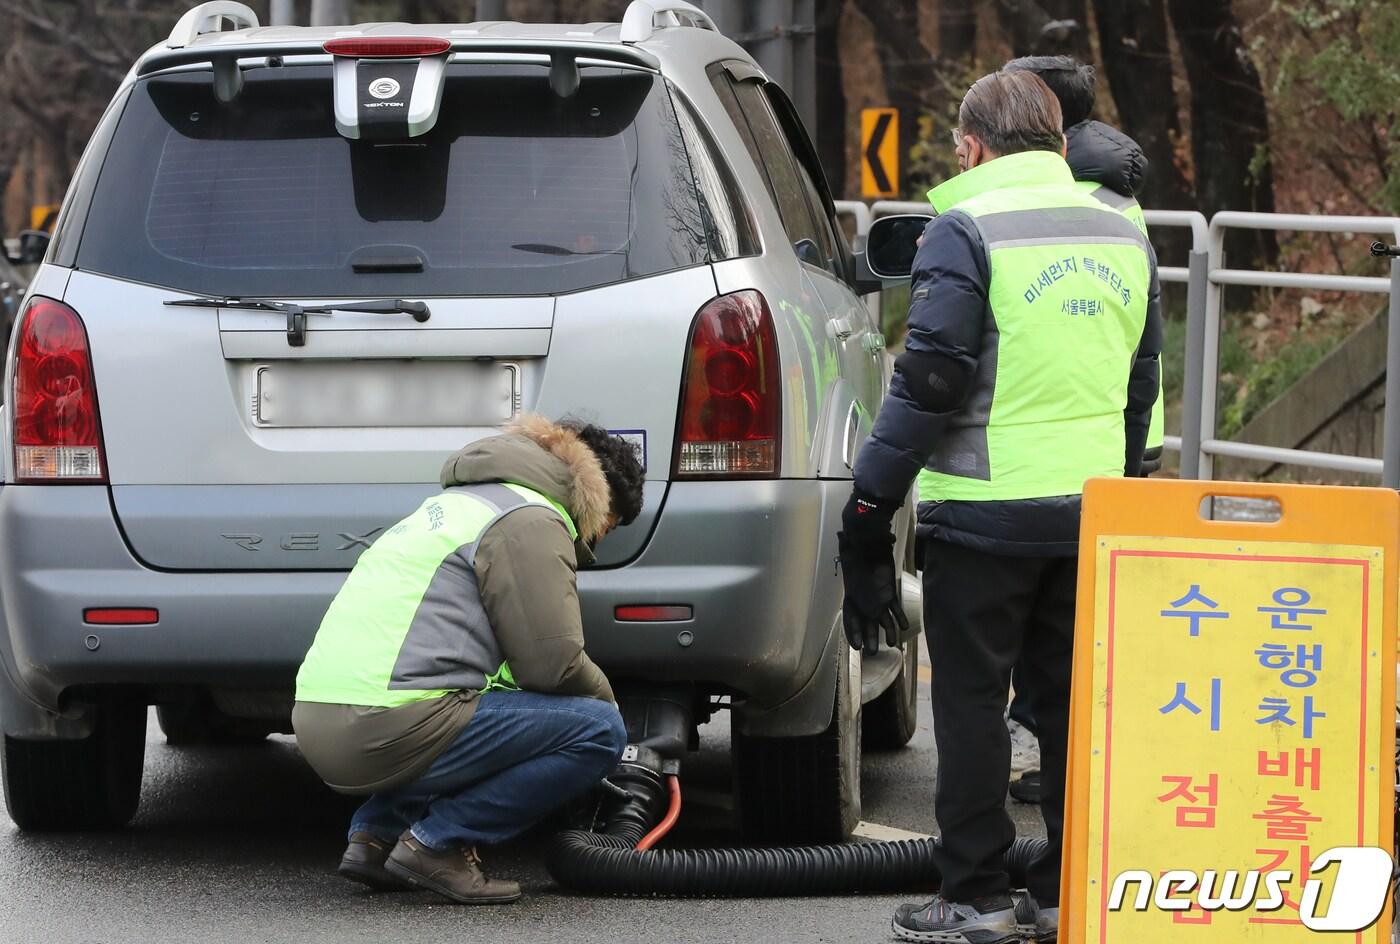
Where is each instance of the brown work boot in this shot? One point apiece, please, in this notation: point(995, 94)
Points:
point(455, 873)
point(364, 860)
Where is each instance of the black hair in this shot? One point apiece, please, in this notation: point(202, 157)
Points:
point(620, 465)
point(1071, 80)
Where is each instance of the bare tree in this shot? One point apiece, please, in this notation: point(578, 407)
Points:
point(1044, 27)
point(957, 30)
point(1072, 41)
point(1229, 120)
point(831, 95)
point(1138, 65)
point(82, 47)
point(909, 67)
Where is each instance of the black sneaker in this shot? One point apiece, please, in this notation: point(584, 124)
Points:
point(990, 920)
point(1027, 789)
point(1035, 925)
point(1023, 905)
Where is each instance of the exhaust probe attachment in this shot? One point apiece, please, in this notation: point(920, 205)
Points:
point(618, 859)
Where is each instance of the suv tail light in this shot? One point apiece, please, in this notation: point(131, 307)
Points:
point(57, 434)
point(731, 403)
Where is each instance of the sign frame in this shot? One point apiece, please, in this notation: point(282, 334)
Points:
point(1116, 511)
point(879, 153)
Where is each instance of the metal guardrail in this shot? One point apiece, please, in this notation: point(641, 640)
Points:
point(1208, 446)
point(1205, 278)
point(1195, 277)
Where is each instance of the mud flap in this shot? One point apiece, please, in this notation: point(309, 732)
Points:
point(808, 712)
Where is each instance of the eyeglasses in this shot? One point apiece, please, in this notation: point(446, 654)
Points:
point(957, 137)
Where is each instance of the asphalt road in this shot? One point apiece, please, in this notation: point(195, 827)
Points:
point(240, 844)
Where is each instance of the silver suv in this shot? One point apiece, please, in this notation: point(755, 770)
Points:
point(298, 267)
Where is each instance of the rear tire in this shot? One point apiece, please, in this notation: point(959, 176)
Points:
point(91, 783)
point(804, 789)
point(892, 718)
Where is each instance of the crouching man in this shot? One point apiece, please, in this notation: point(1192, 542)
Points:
point(448, 679)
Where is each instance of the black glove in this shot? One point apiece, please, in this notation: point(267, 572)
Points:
point(1151, 461)
point(873, 599)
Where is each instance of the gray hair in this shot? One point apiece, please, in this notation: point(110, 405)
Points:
point(1010, 112)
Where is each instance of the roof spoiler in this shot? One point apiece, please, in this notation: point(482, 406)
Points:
point(226, 56)
point(641, 21)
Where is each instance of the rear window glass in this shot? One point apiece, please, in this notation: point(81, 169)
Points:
point(732, 232)
point(515, 191)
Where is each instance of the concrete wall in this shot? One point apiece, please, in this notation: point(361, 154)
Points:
point(1336, 407)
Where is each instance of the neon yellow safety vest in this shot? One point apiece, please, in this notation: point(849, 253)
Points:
point(1067, 304)
point(1129, 207)
point(408, 623)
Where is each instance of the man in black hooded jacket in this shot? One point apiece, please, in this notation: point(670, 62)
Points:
point(1112, 167)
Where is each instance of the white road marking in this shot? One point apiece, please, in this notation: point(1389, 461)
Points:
point(866, 830)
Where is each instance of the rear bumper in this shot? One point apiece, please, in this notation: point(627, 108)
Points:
point(753, 559)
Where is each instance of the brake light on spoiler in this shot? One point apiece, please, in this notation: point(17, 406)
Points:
point(731, 401)
point(57, 432)
point(387, 47)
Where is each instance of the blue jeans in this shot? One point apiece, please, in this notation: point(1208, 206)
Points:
point(521, 756)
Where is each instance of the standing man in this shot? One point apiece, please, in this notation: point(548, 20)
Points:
point(1030, 366)
point(449, 680)
point(1109, 166)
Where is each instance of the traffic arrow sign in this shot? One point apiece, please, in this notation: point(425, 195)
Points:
point(879, 152)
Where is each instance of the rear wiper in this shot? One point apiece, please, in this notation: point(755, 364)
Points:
point(550, 249)
point(296, 314)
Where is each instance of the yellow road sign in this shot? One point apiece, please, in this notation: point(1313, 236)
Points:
point(43, 215)
point(1233, 709)
point(879, 152)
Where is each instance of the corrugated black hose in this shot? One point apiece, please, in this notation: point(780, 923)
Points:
point(606, 862)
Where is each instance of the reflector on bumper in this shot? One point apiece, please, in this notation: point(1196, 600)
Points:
point(653, 613)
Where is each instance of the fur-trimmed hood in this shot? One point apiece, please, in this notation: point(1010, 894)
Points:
point(544, 456)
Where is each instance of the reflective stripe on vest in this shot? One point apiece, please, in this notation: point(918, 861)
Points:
point(1130, 208)
point(1067, 304)
point(408, 624)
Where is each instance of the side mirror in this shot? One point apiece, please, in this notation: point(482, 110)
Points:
point(33, 246)
point(810, 253)
point(892, 243)
point(866, 282)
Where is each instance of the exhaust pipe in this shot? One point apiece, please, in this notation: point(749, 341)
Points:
point(618, 860)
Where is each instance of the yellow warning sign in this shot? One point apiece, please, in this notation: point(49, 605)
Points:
point(879, 152)
point(43, 216)
point(1233, 711)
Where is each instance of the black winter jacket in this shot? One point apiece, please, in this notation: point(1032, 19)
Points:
point(947, 315)
point(1107, 156)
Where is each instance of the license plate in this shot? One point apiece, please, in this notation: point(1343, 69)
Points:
point(386, 393)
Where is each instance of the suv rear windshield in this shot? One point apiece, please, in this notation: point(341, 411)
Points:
point(515, 191)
